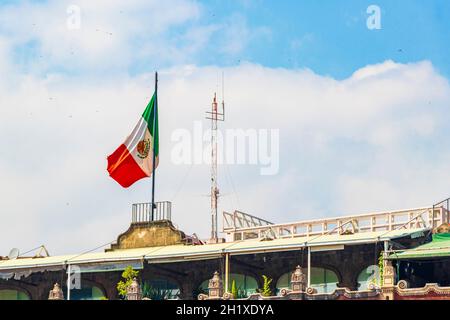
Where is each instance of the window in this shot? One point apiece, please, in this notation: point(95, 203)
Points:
point(323, 280)
point(245, 285)
point(85, 293)
point(13, 295)
point(160, 289)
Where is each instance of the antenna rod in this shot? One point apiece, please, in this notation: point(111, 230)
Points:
point(223, 96)
point(214, 115)
point(214, 189)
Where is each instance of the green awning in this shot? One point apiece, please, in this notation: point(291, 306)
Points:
point(438, 247)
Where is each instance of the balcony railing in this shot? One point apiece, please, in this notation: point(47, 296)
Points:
point(142, 212)
point(240, 226)
point(238, 220)
point(444, 207)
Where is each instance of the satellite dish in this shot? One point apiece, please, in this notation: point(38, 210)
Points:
point(13, 254)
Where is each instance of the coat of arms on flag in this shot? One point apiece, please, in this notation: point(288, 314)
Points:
point(133, 159)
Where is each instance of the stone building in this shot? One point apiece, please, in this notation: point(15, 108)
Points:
point(339, 258)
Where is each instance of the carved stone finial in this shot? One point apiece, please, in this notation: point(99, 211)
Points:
point(388, 274)
point(298, 280)
point(215, 286)
point(387, 286)
point(311, 290)
point(227, 296)
point(56, 293)
point(403, 284)
point(134, 291)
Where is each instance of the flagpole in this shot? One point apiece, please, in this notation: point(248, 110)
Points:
point(155, 115)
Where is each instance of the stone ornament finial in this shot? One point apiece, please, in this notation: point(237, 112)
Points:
point(56, 293)
point(403, 284)
point(134, 291)
point(202, 296)
point(215, 286)
point(387, 287)
point(298, 280)
point(228, 296)
point(311, 290)
point(388, 274)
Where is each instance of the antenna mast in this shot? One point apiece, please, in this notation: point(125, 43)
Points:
point(214, 115)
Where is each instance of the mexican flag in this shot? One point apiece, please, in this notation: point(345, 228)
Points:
point(133, 160)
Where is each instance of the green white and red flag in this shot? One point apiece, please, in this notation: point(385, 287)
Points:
point(133, 160)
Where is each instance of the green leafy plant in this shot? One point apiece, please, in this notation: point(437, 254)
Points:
point(127, 278)
point(377, 279)
point(381, 267)
point(234, 290)
point(266, 291)
point(156, 293)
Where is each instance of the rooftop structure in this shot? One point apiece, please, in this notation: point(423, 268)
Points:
point(242, 226)
point(333, 252)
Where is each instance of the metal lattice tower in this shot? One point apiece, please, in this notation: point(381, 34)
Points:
point(214, 115)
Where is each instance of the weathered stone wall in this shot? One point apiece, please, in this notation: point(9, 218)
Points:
point(149, 234)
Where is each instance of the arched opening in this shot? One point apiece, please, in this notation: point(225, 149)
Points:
point(160, 289)
point(370, 275)
point(323, 280)
point(245, 285)
point(12, 294)
point(87, 292)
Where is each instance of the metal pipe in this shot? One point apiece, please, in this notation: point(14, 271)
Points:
point(227, 271)
point(309, 266)
point(68, 281)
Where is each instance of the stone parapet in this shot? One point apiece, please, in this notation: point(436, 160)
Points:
point(149, 234)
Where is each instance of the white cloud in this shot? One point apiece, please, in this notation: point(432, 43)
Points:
point(107, 36)
point(237, 35)
point(366, 143)
point(395, 180)
point(113, 36)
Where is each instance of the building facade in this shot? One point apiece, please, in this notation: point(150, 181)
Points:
point(383, 255)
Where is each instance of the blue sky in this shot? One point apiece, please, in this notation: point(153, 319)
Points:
point(362, 114)
point(333, 36)
point(329, 37)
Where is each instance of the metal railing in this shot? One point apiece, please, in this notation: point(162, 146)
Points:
point(444, 206)
point(239, 219)
point(419, 218)
point(141, 212)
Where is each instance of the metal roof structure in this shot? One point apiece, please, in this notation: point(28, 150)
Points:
point(439, 247)
point(178, 253)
